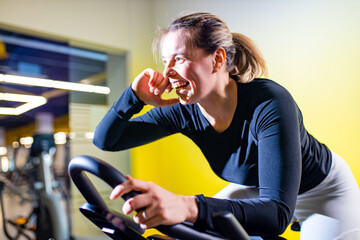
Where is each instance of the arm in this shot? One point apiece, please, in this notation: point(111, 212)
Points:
point(276, 129)
point(117, 131)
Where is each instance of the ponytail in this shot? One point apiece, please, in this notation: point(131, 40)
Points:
point(248, 62)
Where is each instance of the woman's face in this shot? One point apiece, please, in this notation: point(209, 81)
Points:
point(189, 69)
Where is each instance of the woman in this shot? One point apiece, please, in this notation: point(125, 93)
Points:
point(250, 130)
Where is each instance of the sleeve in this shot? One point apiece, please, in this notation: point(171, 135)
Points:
point(118, 130)
point(276, 128)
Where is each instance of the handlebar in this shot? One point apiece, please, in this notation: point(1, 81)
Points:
point(113, 177)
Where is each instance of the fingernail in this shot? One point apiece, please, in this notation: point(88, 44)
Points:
point(126, 207)
point(115, 192)
point(136, 219)
point(157, 91)
point(143, 226)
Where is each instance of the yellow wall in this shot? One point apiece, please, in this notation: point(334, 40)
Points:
point(312, 48)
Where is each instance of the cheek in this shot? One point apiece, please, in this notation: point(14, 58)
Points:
point(205, 67)
point(194, 72)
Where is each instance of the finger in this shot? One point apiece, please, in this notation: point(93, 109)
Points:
point(127, 186)
point(152, 222)
point(146, 214)
point(143, 214)
point(121, 189)
point(150, 212)
point(152, 79)
point(168, 88)
point(136, 184)
point(141, 201)
point(142, 78)
point(141, 217)
point(164, 85)
point(149, 73)
point(158, 83)
point(115, 193)
point(127, 207)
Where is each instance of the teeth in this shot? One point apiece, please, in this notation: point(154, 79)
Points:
point(178, 85)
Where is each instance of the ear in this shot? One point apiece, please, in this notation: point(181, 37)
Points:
point(219, 59)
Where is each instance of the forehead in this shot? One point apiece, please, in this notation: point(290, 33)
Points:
point(173, 43)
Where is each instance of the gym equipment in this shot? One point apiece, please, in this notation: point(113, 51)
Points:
point(20, 224)
point(51, 210)
point(121, 227)
point(48, 218)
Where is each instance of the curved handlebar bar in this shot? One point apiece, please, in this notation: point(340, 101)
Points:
point(113, 177)
point(100, 169)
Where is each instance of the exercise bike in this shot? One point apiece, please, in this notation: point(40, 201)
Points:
point(48, 218)
point(121, 227)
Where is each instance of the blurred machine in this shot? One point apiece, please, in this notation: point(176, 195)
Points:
point(37, 184)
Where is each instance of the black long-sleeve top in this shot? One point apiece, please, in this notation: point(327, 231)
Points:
point(266, 145)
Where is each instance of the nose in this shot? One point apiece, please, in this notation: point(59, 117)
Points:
point(169, 72)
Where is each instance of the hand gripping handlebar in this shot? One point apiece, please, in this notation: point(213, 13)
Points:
point(81, 164)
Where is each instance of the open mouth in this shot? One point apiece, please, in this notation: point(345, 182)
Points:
point(179, 85)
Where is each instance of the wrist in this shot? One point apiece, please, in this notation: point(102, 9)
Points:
point(192, 209)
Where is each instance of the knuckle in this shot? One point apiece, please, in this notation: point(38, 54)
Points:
point(131, 182)
point(162, 209)
point(157, 198)
point(165, 216)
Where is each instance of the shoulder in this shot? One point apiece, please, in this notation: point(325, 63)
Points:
point(262, 87)
point(269, 104)
point(262, 90)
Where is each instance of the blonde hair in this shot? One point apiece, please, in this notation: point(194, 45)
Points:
point(244, 61)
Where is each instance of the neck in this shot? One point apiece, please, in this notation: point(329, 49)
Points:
point(219, 108)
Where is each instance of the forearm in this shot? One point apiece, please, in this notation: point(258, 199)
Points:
point(110, 130)
point(118, 130)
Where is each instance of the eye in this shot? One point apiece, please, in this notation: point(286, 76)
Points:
point(179, 59)
point(164, 62)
